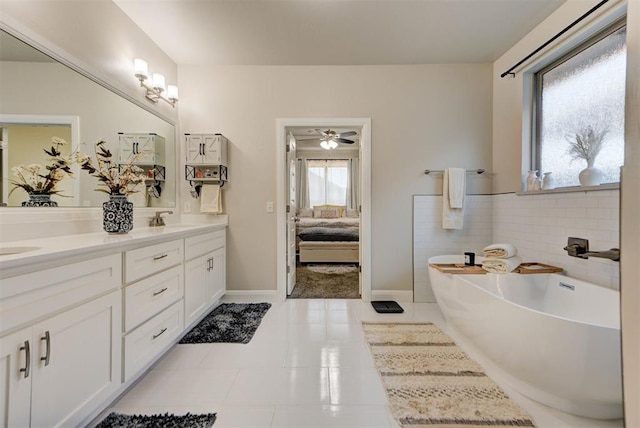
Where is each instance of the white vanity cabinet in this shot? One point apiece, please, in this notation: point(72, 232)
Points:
point(153, 304)
point(59, 346)
point(206, 149)
point(149, 148)
point(205, 273)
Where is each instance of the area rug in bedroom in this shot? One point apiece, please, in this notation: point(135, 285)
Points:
point(430, 382)
point(117, 420)
point(326, 281)
point(229, 323)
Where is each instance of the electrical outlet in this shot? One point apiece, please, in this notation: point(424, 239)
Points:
point(187, 207)
point(269, 207)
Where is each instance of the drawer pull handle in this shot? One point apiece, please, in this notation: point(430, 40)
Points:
point(156, 258)
point(27, 359)
point(155, 336)
point(161, 291)
point(47, 355)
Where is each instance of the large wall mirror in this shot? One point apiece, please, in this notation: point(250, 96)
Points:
point(41, 98)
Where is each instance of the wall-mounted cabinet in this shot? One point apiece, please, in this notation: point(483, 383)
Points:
point(141, 149)
point(206, 149)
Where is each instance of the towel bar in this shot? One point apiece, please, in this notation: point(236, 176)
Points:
point(440, 171)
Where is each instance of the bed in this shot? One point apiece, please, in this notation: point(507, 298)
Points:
point(323, 239)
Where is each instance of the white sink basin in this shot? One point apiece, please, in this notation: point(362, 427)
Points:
point(10, 251)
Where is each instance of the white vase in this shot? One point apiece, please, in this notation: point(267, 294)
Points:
point(532, 180)
point(590, 176)
point(547, 181)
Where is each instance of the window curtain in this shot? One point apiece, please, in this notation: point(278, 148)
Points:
point(302, 185)
point(353, 191)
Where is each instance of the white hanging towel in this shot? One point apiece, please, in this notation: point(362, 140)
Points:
point(140, 198)
point(210, 199)
point(453, 181)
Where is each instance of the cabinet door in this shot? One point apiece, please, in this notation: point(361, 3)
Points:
point(212, 149)
point(146, 150)
point(196, 293)
point(194, 148)
point(15, 385)
point(77, 362)
point(127, 145)
point(217, 275)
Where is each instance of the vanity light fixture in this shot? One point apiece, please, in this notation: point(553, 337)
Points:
point(155, 88)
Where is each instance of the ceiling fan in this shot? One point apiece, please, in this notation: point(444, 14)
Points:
point(329, 138)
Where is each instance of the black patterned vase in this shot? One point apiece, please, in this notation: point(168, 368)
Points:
point(118, 215)
point(39, 201)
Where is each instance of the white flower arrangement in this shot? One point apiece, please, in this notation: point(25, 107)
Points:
point(586, 144)
point(119, 179)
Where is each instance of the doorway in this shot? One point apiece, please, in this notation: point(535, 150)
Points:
point(286, 214)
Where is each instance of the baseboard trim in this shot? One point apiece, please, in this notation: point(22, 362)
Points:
point(397, 295)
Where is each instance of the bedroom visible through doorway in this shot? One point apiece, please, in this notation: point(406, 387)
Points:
point(324, 216)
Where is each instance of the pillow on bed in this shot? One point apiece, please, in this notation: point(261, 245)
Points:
point(352, 213)
point(329, 213)
point(318, 208)
point(330, 234)
point(305, 212)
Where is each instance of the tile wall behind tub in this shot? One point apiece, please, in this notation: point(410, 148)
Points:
point(539, 225)
point(430, 239)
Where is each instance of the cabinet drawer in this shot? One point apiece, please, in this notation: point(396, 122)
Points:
point(144, 344)
point(145, 298)
point(154, 258)
point(202, 244)
point(27, 297)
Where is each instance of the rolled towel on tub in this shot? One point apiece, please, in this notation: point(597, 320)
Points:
point(501, 265)
point(500, 251)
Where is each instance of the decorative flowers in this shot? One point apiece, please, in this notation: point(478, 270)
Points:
point(38, 180)
point(119, 179)
point(586, 144)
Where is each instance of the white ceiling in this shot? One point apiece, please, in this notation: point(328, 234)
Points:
point(308, 138)
point(336, 32)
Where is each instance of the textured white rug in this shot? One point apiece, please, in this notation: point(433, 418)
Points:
point(337, 269)
point(430, 382)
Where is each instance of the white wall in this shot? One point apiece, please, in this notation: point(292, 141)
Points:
point(630, 240)
point(428, 116)
point(430, 239)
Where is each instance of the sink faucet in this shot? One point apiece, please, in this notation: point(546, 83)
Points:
point(157, 220)
point(612, 254)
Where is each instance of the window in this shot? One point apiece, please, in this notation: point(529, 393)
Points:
point(328, 180)
point(583, 89)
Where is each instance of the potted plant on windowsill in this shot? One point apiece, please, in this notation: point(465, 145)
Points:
point(41, 182)
point(586, 145)
point(119, 181)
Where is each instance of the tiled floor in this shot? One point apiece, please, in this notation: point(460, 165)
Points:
point(306, 366)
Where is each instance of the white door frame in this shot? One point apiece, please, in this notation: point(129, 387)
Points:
point(365, 195)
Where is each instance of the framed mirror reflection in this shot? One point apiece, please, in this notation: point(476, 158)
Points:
point(44, 102)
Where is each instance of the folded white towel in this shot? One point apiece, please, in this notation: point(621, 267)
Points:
point(453, 209)
point(501, 265)
point(210, 199)
point(500, 251)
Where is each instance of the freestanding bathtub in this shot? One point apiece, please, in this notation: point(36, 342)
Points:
point(553, 338)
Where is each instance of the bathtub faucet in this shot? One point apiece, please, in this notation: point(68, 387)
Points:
point(579, 247)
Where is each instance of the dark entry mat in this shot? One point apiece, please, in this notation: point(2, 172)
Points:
point(387, 307)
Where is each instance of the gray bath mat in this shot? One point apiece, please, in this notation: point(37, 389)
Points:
point(117, 420)
point(228, 323)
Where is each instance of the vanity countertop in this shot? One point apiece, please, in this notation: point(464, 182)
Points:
point(17, 254)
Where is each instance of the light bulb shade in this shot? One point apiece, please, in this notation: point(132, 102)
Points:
point(172, 92)
point(333, 144)
point(158, 81)
point(325, 145)
point(140, 68)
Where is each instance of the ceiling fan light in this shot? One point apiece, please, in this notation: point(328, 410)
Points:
point(333, 144)
point(325, 145)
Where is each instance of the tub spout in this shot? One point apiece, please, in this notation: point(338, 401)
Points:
point(612, 254)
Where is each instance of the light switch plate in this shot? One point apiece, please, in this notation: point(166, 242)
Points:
point(269, 207)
